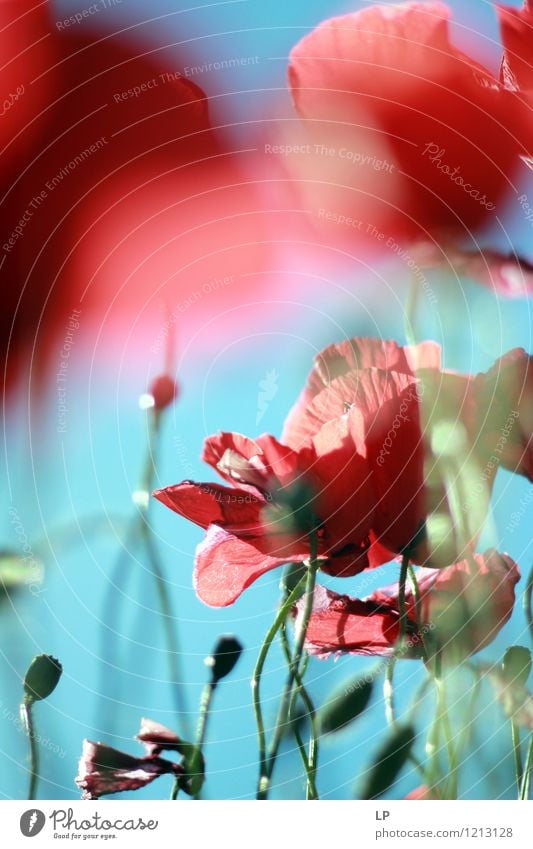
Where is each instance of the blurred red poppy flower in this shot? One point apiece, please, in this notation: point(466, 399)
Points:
point(462, 608)
point(118, 195)
point(409, 137)
point(505, 412)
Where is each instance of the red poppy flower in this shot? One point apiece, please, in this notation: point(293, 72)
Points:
point(463, 607)
point(410, 138)
point(356, 466)
point(278, 498)
point(398, 399)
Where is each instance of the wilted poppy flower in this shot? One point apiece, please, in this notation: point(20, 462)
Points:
point(462, 609)
point(408, 136)
point(103, 770)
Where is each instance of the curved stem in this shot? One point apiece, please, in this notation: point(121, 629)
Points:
point(312, 567)
point(515, 731)
point(310, 760)
point(402, 600)
point(259, 666)
point(168, 619)
point(528, 599)
point(140, 529)
point(26, 714)
point(526, 781)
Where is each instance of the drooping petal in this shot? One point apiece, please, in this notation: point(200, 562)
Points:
point(342, 624)
point(226, 565)
point(157, 738)
point(210, 503)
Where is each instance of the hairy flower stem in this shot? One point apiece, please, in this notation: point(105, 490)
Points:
point(310, 759)
point(140, 531)
point(281, 723)
point(517, 752)
point(195, 761)
point(281, 616)
point(526, 780)
point(26, 715)
point(528, 601)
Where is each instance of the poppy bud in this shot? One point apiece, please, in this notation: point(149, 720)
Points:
point(516, 665)
point(225, 655)
point(41, 678)
point(164, 391)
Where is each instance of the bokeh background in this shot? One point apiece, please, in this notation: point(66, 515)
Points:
point(72, 490)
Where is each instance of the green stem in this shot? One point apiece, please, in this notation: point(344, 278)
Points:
point(281, 723)
point(515, 732)
point(309, 760)
point(26, 714)
point(528, 599)
point(259, 666)
point(168, 618)
point(526, 781)
point(402, 601)
point(195, 760)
